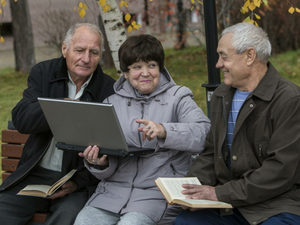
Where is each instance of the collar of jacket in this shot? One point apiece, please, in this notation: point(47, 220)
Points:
point(60, 72)
point(269, 82)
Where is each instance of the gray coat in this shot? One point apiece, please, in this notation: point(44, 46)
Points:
point(127, 185)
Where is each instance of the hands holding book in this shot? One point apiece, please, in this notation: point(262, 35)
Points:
point(195, 191)
point(68, 188)
point(189, 193)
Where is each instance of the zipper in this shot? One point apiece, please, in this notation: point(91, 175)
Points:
point(142, 117)
point(132, 186)
point(259, 149)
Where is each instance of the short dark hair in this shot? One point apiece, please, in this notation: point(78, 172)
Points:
point(142, 47)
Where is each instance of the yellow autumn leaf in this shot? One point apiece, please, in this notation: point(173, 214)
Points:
point(251, 21)
point(74, 9)
point(102, 3)
point(0, 11)
point(297, 10)
point(82, 13)
point(126, 4)
point(129, 29)
point(193, 1)
point(106, 8)
point(200, 2)
point(1, 39)
point(16, 0)
point(247, 19)
point(3, 3)
point(133, 23)
point(247, 4)
point(257, 16)
point(127, 17)
point(257, 3)
point(121, 4)
point(265, 2)
point(243, 10)
point(252, 6)
point(192, 7)
point(80, 5)
point(255, 23)
point(291, 10)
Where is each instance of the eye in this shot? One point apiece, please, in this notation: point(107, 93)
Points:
point(136, 67)
point(95, 52)
point(152, 65)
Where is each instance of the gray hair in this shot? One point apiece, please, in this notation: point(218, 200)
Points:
point(246, 35)
point(92, 27)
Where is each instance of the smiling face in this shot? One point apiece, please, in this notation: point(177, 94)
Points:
point(233, 65)
point(143, 76)
point(83, 54)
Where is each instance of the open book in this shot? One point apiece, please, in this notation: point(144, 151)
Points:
point(40, 190)
point(171, 189)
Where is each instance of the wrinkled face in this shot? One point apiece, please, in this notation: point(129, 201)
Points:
point(83, 54)
point(233, 66)
point(144, 77)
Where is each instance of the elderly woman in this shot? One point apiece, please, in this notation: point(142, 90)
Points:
point(155, 113)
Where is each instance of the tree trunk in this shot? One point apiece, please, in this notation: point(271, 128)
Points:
point(23, 37)
point(114, 28)
point(181, 26)
point(107, 60)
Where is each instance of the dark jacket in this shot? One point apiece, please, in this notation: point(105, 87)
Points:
point(264, 179)
point(49, 79)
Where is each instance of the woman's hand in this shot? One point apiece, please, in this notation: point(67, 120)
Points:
point(151, 130)
point(91, 155)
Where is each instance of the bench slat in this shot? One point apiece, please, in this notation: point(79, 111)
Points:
point(13, 151)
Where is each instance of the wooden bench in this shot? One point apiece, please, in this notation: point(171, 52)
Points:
point(12, 147)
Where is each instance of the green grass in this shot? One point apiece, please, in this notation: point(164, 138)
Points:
point(187, 67)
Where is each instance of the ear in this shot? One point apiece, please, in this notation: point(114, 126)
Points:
point(64, 49)
point(126, 75)
point(251, 55)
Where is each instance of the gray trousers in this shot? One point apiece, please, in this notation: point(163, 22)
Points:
point(18, 210)
point(90, 215)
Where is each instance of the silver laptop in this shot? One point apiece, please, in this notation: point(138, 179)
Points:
point(76, 125)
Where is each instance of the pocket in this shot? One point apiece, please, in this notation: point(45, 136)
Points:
point(261, 150)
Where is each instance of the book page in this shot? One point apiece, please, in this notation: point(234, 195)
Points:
point(37, 187)
point(174, 185)
point(201, 203)
point(46, 189)
point(61, 181)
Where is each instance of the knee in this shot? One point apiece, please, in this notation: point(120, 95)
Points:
point(181, 218)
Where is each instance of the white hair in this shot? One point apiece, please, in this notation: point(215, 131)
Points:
point(246, 35)
point(92, 27)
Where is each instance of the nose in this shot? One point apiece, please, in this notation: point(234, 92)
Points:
point(85, 57)
point(145, 70)
point(219, 63)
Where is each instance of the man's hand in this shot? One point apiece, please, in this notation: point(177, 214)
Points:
point(67, 188)
point(194, 191)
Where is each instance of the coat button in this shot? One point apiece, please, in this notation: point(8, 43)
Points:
point(251, 105)
point(234, 157)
